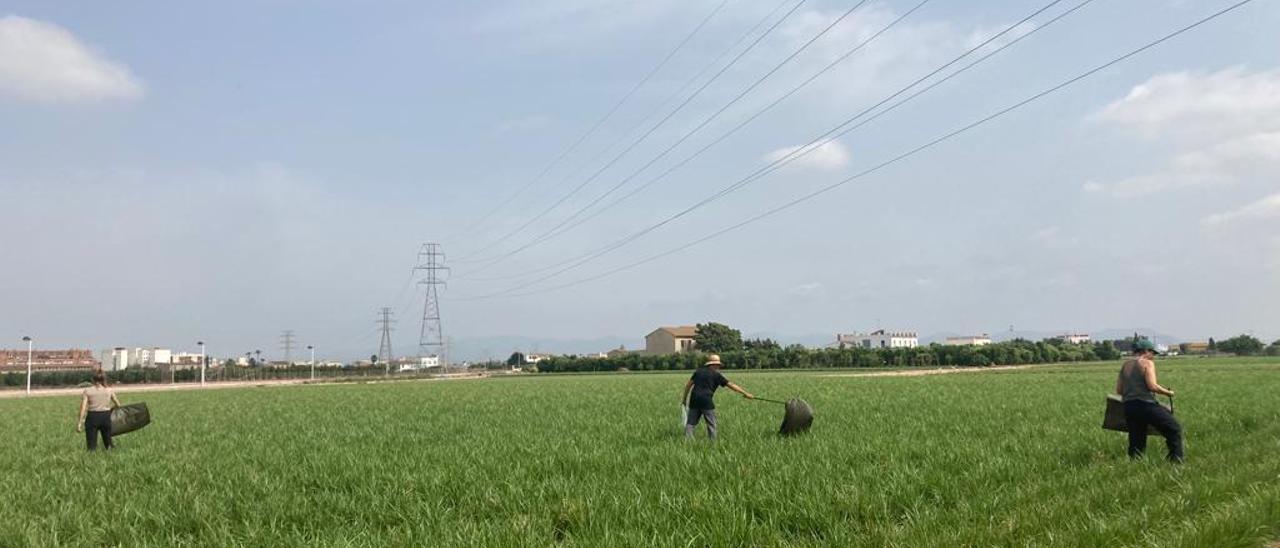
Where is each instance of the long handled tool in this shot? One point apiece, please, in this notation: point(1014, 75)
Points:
point(798, 417)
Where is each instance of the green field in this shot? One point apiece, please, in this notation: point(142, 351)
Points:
point(979, 459)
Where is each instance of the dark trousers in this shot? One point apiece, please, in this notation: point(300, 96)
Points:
point(95, 422)
point(1140, 414)
point(695, 415)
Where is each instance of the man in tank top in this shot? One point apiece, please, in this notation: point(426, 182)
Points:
point(1137, 386)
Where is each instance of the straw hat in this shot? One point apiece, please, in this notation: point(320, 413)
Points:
point(713, 359)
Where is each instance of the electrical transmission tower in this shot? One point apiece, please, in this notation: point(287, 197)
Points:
point(287, 343)
point(385, 355)
point(431, 264)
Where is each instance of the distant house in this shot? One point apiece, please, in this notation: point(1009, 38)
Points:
point(1194, 348)
point(670, 340)
point(618, 352)
point(1075, 338)
point(879, 338)
point(968, 340)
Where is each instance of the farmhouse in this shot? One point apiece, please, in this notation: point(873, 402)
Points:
point(968, 340)
point(670, 340)
point(1075, 338)
point(619, 352)
point(879, 338)
point(1194, 347)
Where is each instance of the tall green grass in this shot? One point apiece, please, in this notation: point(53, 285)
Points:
point(991, 458)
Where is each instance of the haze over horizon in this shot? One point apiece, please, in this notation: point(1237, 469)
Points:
point(174, 173)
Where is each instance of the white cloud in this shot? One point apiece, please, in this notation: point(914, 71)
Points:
point(983, 34)
point(830, 156)
point(895, 57)
point(1226, 126)
point(1266, 208)
point(43, 62)
point(1221, 163)
point(1200, 105)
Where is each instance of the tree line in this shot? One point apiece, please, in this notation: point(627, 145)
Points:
point(766, 356)
point(737, 353)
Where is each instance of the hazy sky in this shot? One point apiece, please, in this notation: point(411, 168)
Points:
point(224, 171)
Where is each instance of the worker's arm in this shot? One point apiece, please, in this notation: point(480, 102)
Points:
point(1120, 382)
point(1149, 373)
point(84, 407)
point(740, 390)
point(115, 402)
point(684, 396)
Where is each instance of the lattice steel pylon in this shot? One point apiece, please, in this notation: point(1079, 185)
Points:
point(431, 264)
point(287, 343)
point(385, 355)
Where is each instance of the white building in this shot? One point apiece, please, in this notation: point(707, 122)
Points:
point(186, 359)
point(968, 340)
point(161, 356)
point(120, 358)
point(879, 338)
point(535, 358)
point(1076, 338)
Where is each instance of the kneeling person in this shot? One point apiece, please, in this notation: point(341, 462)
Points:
point(702, 406)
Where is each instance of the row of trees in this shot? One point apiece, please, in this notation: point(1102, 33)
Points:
point(737, 353)
point(772, 356)
point(1245, 345)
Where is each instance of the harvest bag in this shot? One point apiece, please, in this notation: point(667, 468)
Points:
point(127, 418)
point(1114, 418)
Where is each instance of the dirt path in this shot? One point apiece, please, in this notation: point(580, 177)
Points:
point(127, 388)
point(935, 371)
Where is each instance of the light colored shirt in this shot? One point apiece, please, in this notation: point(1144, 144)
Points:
point(99, 398)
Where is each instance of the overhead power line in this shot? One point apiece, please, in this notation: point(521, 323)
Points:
point(662, 106)
point(536, 217)
point(907, 154)
point(561, 227)
point(841, 129)
point(600, 122)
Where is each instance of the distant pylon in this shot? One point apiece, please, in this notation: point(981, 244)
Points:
point(286, 344)
point(384, 350)
point(431, 264)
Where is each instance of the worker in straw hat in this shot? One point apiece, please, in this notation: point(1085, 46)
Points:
point(703, 385)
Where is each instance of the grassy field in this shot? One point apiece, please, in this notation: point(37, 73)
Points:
point(992, 458)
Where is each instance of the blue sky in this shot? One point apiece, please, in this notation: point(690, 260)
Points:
point(175, 172)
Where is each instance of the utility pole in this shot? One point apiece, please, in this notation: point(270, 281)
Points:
point(431, 264)
point(385, 355)
point(203, 360)
point(286, 344)
point(30, 344)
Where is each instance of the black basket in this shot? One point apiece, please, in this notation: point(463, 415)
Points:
point(798, 419)
point(1114, 418)
point(127, 418)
